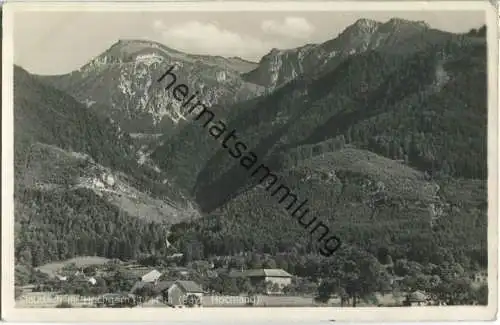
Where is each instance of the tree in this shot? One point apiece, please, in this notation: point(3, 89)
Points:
point(482, 295)
point(383, 255)
point(100, 287)
point(149, 260)
point(236, 262)
point(229, 286)
point(269, 264)
point(326, 289)
point(192, 300)
point(401, 267)
point(274, 287)
point(25, 256)
point(259, 288)
point(455, 292)
point(216, 284)
point(244, 285)
point(417, 282)
point(145, 292)
point(82, 290)
point(255, 262)
point(353, 288)
point(281, 263)
point(90, 270)
point(370, 275)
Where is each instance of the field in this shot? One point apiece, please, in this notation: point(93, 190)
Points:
point(81, 261)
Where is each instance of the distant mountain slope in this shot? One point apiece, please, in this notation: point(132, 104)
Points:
point(241, 65)
point(124, 78)
point(396, 65)
point(280, 66)
point(76, 174)
point(427, 107)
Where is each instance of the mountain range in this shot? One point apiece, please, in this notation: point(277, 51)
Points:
point(383, 129)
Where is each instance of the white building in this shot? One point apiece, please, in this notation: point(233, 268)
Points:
point(151, 276)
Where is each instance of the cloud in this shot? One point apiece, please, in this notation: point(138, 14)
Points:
point(208, 38)
point(158, 24)
point(292, 27)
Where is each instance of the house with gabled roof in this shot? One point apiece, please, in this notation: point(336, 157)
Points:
point(277, 277)
point(185, 293)
point(174, 293)
point(154, 288)
point(162, 286)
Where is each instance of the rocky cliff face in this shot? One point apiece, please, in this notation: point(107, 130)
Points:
point(124, 79)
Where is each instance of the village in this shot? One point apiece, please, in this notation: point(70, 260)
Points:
point(98, 282)
point(142, 286)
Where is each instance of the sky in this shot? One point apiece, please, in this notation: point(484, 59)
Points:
point(60, 42)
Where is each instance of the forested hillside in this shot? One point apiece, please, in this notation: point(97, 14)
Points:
point(382, 129)
point(417, 108)
point(416, 218)
point(57, 225)
point(78, 186)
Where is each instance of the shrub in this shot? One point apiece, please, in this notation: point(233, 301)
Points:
point(64, 304)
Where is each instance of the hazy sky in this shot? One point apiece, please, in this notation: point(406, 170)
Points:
point(59, 42)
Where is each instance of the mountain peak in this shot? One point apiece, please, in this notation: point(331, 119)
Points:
point(127, 50)
point(398, 22)
point(362, 26)
point(368, 24)
point(130, 46)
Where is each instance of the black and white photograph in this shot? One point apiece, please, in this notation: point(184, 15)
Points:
point(215, 158)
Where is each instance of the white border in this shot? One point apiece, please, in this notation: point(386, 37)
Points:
point(246, 314)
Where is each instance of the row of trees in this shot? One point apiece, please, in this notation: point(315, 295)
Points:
point(63, 225)
point(358, 275)
point(354, 275)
